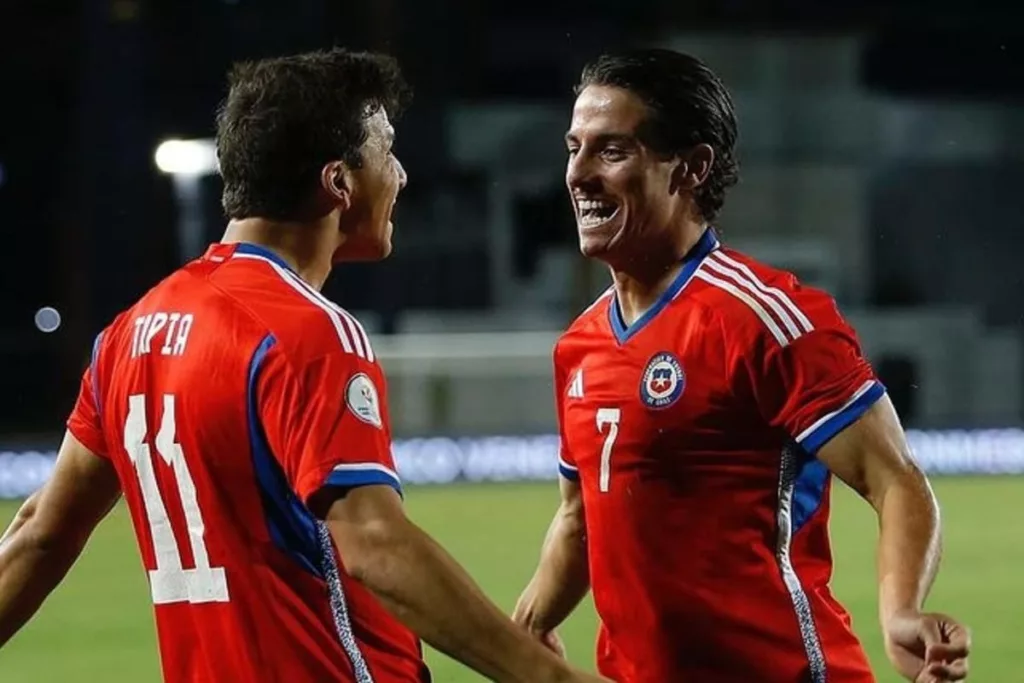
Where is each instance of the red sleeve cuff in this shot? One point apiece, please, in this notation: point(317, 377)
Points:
point(88, 437)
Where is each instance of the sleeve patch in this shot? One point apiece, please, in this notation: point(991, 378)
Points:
point(362, 399)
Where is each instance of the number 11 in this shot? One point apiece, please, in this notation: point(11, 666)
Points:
point(170, 582)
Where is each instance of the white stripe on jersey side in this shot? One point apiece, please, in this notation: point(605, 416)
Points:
point(825, 418)
point(339, 606)
point(780, 313)
point(786, 301)
point(317, 300)
point(757, 308)
point(788, 473)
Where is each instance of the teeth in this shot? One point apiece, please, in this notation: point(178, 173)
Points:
point(594, 205)
point(589, 220)
point(594, 212)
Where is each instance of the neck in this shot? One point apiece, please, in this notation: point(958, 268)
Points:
point(643, 279)
point(307, 247)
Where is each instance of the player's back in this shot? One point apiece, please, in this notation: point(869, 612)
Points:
point(246, 583)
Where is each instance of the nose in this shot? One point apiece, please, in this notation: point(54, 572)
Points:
point(402, 177)
point(578, 171)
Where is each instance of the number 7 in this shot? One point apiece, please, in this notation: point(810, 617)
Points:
point(607, 416)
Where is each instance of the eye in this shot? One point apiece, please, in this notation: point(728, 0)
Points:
point(613, 153)
point(573, 150)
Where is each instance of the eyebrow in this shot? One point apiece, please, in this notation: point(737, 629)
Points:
point(604, 138)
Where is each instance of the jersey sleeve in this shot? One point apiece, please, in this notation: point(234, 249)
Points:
point(566, 462)
point(85, 423)
point(327, 421)
point(817, 382)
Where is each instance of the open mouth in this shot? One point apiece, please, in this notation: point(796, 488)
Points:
point(594, 212)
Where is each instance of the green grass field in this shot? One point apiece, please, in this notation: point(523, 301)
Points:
point(98, 627)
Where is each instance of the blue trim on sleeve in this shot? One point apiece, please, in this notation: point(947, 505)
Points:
point(570, 473)
point(93, 377)
point(291, 525)
point(354, 478)
point(825, 432)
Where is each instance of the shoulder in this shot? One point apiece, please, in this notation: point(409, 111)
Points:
point(752, 300)
point(107, 338)
point(310, 353)
point(298, 321)
point(586, 325)
point(591, 318)
point(321, 335)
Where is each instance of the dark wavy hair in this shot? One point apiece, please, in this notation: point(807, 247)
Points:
point(284, 118)
point(688, 105)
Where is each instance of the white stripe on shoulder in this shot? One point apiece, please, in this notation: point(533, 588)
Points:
point(309, 293)
point(358, 335)
point(359, 330)
point(781, 314)
point(805, 323)
point(756, 307)
point(357, 339)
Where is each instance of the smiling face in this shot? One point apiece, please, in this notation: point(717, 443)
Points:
point(626, 196)
point(374, 190)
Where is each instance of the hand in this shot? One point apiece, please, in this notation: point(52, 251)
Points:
point(551, 641)
point(522, 616)
point(927, 648)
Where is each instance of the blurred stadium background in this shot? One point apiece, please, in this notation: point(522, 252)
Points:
point(882, 149)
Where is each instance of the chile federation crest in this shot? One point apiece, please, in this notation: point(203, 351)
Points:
point(662, 382)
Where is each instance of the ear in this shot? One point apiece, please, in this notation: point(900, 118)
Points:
point(338, 183)
point(694, 168)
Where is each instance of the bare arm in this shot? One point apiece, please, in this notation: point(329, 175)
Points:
point(50, 530)
point(562, 578)
point(873, 458)
point(429, 592)
point(25, 512)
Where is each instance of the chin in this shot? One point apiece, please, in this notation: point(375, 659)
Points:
point(591, 249)
point(375, 248)
point(595, 245)
point(366, 252)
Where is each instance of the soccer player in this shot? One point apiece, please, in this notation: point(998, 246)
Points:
point(704, 404)
point(244, 419)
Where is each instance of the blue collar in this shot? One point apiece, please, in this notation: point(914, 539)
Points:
point(707, 243)
point(257, 250)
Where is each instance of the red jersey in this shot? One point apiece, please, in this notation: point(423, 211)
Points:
point(693, 435)
point(225, 398)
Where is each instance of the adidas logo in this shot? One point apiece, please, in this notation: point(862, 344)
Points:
point(576, 386)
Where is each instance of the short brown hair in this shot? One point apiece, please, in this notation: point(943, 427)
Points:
point(284, 118)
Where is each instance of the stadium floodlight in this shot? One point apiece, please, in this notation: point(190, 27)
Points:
point(187, 157)
point(188, 162)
